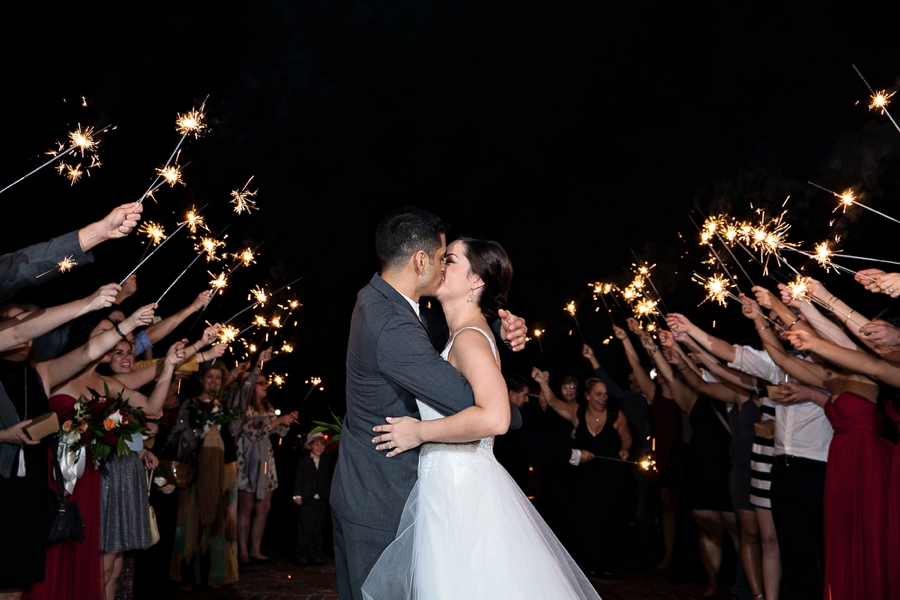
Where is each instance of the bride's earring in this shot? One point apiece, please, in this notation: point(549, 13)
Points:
point(471, 293)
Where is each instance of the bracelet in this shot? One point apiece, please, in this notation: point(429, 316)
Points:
point(200, 354)
point(791, 326)
point(119, 331)
point(654, 351)
point(848, 316)
point(763, 328)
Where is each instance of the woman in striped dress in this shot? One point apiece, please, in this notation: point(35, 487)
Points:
point(761, 461)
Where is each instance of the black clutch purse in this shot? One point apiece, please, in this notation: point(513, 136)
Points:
point(63, 515)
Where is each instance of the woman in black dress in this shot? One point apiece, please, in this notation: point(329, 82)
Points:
point(603, 431)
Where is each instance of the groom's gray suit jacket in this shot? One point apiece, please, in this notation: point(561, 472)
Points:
point(390, 363)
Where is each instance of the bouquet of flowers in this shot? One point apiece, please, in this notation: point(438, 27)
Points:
point(102, 424)
point(207, 412)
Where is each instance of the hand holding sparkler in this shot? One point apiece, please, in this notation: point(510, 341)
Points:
point(117, 224)
point(540, 376)
point(794, 392)
point(620, 333)
point(666, 339)
point(142, 316)
point(678, 323)
point(750, 308)
point(793, 294)
point(175, 354)
point(764, 297)
point(102, 298)
point(802, 340)
point(879, 282)
point(881, 333)
point(512, 330)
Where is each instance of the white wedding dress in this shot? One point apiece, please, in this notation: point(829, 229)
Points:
point(468, 531)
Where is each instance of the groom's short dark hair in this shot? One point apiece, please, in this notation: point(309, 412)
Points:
point(406, 231)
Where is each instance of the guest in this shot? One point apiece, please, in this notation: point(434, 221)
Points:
point(604, 432)
point(517, 449)
point(257, 477)
point(205, 551)
point(312, 488)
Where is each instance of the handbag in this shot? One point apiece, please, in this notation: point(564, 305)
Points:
point(177, 473)
point(64, 516)
point(154, 528)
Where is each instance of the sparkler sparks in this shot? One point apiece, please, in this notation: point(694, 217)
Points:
point(260, 321)
point(645, 308)
point(63, 266)
point(83, 139)
point(154, 231)
point(246, 256)
point(192, 122)
point(243, 199)
point(260, 295)
point(194, 221)
point(798, 287)
point(823, 255)
point(287, 348)
point(219, 281)
point(171, 173)
point(716, 288)
point(209, 246)
point(880, 100)
point(70, 172)
point(277, 380)
point(570, 308)
point(228, 334)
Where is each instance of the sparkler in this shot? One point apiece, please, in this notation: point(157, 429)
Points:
point(196, 258)
point(848, 199)
point(879, 99)
point(313, 384)
point(228, 334)
point(716, 289)
point(246, 257)
point(600, 291)
point(186, 124)
point(259, 294)
point(570, 308)
point(219, 281)
point(537, 336)
point(208, 246)
point(243, 199)
point(63, 266)
point(154, 231)
point(277, 380)
point(287, 348)
point(81, 140)
point(194, 220)
point(155, 250)
point(706, 229)
point(798, 287)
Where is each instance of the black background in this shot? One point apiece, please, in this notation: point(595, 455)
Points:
point(571, 132)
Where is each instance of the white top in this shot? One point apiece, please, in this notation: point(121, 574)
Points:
point(801, 428)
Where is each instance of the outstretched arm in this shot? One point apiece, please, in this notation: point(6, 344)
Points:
point(57, 371)
point(548, 398)
point(27, 326)
point(160, 330)
point(853, 360)
point(718, 347)
point(824, 328)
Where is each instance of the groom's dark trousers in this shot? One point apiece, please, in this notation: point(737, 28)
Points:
point(390, 363)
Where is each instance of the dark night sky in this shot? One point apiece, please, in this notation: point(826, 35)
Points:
point(571, 132)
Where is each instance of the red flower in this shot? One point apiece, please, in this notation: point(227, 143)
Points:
point(65, 413)
point(98, 407)
point(110, 437)
point(87, 436)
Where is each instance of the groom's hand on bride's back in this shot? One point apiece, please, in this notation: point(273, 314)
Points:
point(512, 330)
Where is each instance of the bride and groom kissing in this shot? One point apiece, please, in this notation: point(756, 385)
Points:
point(421, 508)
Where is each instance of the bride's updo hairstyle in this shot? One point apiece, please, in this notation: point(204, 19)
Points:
point(489, 260)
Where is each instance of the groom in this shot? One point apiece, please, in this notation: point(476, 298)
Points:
point(390, 363)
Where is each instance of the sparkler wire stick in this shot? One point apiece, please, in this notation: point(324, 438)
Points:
point(237, 266)
point(196, 258)
point(155, 250)
point(650, 281)
point(168, 162)
point(883, 106)
point(255, 304)
point(765, 268)
point(736, 261)
point(850, 201)
point(55, 158)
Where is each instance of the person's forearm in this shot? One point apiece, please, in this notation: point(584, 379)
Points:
point(29, 326)
point(825, 328)
point(159, 331)
point(91, 235)
point(715, 346)
point(720, 371)
point(157, 397)
point(468, 425)
point(859, 362)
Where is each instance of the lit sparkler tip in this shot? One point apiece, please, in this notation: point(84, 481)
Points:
point(83, 139)
point(228, 334)
point(246, 256)
point(191, 123)
point(538, 332)
point(260, 295)
point(277, 380)
point(172, 174)
point(798, 287)
point(66, 264)
point(154, 231)
point(209, 245)
point(880, 100)
point(194, 221)
point(243, 199)
point(260, 321)
point(570, 308)
point(716, 289)
point(219, 281)
point(294, 304)
point(287, 348)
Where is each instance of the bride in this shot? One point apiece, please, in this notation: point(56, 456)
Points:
point(467, 530)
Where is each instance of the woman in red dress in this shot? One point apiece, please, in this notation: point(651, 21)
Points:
point(857, 476)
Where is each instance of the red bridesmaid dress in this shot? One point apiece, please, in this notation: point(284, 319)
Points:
point(75, 570)
point(893, 521)
point(856, 501)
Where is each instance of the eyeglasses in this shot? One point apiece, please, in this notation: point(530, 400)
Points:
point(568, 387)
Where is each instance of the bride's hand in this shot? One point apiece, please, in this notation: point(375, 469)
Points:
point(400, 435)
